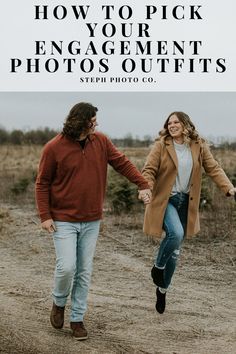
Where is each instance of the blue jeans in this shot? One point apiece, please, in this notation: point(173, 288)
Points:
point(75, 244)
point(174, 224)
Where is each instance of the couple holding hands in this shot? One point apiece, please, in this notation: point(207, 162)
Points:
point(70, 190)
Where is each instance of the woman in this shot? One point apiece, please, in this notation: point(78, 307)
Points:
point(173, 170)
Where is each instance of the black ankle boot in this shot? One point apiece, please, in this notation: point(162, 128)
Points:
point(161, 301)
point(158, 276)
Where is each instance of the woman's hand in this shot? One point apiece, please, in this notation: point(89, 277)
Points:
point(145, 195)
point(232, 191)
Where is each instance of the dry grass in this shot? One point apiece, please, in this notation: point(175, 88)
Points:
point(18, 166)
point(226, 158)
point(15, 158)
point(19, 163)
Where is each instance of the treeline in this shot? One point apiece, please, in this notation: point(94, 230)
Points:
point(19, 137)
point(42, 136)
point(130, 141)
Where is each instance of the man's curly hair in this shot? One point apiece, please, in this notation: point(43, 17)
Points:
point(79, 119)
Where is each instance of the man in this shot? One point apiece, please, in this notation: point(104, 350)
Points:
point(70, 189)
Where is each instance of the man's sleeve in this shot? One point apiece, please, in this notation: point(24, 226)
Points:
point(122, 165)
point(46, 172)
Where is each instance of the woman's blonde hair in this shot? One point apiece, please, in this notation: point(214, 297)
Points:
point(189, 131)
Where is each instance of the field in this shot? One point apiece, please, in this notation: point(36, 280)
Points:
point(121, 317)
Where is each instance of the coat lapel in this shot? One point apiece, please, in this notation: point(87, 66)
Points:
point(195, 150)
point(171, 150)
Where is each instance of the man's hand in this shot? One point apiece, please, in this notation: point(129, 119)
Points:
point(49, 226)
point(145, 195)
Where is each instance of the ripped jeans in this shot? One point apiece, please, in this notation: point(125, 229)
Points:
point(174, 224)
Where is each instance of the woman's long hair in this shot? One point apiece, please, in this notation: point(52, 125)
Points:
point(79, 119)
point(189, 131)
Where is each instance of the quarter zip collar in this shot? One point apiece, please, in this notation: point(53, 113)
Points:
point(89, 137)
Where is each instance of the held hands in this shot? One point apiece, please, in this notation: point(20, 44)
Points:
point(145, 195)
point(49, 226)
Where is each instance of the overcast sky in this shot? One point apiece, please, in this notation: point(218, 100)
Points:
point(141, 113)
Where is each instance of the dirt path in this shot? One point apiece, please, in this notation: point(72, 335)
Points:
point(200, 315)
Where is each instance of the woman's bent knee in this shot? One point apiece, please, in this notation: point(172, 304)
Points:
point(176, 240)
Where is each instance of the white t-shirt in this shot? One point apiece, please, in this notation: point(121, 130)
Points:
point(185, 165)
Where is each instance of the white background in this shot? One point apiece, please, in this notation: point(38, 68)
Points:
point(19, 31)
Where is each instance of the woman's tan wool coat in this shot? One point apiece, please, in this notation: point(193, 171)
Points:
point(160, 170)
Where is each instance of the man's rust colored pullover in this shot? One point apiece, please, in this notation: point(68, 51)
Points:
point(71, 181)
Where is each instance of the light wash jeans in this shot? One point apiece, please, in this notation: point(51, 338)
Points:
point(174, 224)
point(75, 244)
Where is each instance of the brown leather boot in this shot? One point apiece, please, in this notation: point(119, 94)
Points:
point(57, 316)
point(79, 332)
